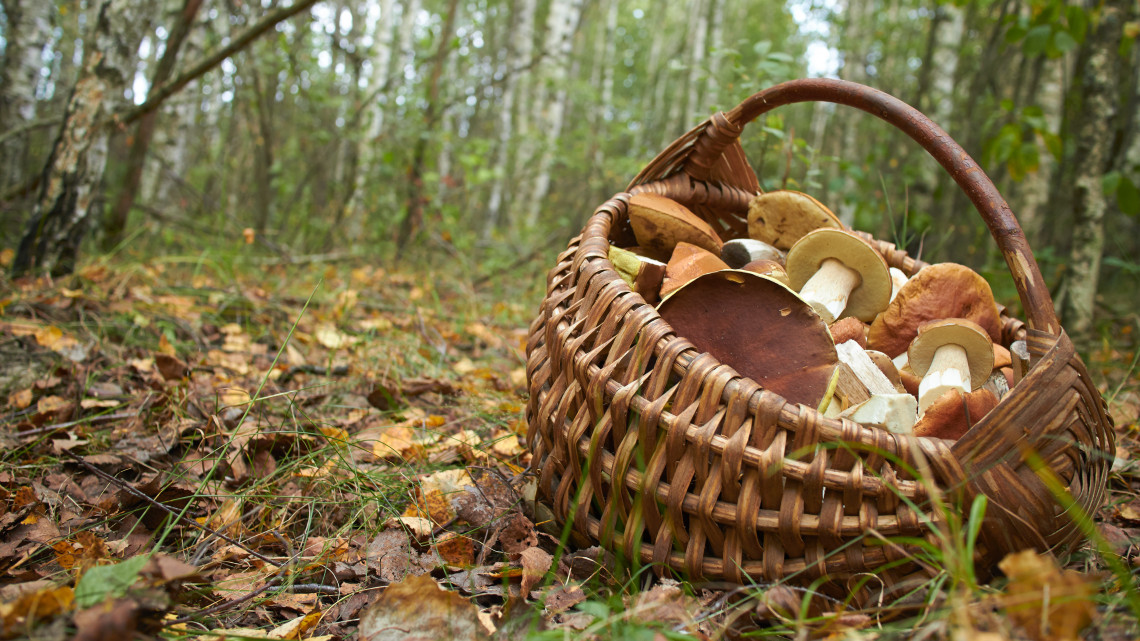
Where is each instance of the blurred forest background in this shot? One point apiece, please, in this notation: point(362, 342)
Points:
point(484, 132)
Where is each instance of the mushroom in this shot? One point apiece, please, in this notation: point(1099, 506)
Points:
point(944, 290)
point(738, 252)
point(950, 354)
point(688, 262)
point(893, 412)
point(720, 313)
point(898, 279)
point(839, 274)
point(643, 274)
point(849, 329)
point(954, 413)
point(887, 367)
point(780, 218)
point(659, 223)
point(769, 268)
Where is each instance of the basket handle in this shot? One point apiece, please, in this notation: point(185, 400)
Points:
point(971, 179)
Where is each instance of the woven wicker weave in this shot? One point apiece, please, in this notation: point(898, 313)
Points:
point(661, 453)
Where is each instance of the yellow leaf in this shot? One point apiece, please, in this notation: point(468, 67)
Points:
point(164, 346)
point(49, 336)
point(234, 396)
point(330, 337)
point(297, 628)
point(463, 366)
point(49, 404)
point(1048, 603)
point(20, 399)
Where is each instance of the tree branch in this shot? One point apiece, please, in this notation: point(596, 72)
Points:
point(159, 95)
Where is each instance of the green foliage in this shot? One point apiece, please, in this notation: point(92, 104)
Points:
point(103, 581)
point(1053, 28)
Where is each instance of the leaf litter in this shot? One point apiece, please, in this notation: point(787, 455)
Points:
point(237, 458)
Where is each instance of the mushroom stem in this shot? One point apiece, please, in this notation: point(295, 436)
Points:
point(949, 370)
point(828, 289)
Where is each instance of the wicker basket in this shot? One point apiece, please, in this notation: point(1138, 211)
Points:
point(669, 457)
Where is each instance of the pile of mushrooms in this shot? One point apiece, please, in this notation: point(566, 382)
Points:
point(812, 312)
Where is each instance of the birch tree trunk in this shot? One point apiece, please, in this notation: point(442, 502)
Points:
point(368, 149)
point(116, 220)
point(79, 155)
point(519, 51)
point(1093, 132)
point(29, 32)
point(551, 107)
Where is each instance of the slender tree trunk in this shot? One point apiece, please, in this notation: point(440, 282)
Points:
point(29, 32)
point(560, 28)
point(369, 147)
point(79, 155)
point(414, 216)
point(116, 220)
point(520, 49)
point(1093, 134)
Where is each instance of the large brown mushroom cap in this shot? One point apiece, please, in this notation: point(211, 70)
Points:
point(780, 218)
point(758, 327)
point(953, 331)
point(872, 293)
point(659, 223)
point(944, 290)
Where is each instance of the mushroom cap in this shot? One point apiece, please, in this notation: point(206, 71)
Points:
point(659, 223)
point(782, 217)
point(943, 290)
point(758, 327)
point(953, 331)
point(769, 268)
point(849, 329)
point(738, 252)
point(687, 262)
point(953, 414)
point(873, 292)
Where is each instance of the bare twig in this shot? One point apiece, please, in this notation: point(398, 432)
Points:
point(61, 426)
point(156, 97)
point(226, 605)
point(140, 495)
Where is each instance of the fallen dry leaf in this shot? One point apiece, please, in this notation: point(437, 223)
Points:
point(1048, 603)
point(417, 609)
point(536, 563)
point(20, 399)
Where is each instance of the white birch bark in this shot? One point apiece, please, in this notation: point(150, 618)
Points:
point(1093, 136)
point(29, 32)
point(79, 155)
point(170, 152)
point(519, 51)
point(369, 147)
point(560, 27)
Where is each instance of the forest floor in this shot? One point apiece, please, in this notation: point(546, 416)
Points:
point(294, 452)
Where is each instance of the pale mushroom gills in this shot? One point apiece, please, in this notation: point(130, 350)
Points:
point(839, 275)
point(951, 354)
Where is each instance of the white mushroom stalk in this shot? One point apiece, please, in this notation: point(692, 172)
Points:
point(949, 370)
point(829, 288)
point(839, 275)
point(951, 354)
